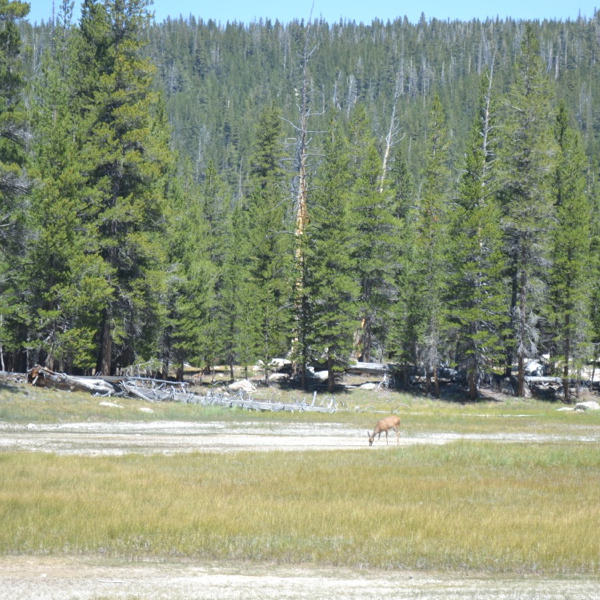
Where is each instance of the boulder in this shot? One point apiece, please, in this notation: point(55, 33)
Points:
point(321, 375)
point(278, 377)
point(243, 385)
point(368, 386)
point(589, 405)
point(279, 363)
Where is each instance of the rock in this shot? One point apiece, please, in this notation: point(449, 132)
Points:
point(243, 385)
point(146, 409)
point(589, 405)
point(565, 409)
point(278, 376)
point(110, 404)
point(368, 386)
point(321, 375)
point(279, 363)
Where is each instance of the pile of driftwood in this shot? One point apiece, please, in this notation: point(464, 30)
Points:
point(156, 390)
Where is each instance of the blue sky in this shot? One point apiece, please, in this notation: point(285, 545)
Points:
point(246, 11)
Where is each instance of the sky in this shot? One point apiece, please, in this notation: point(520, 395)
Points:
point(246, 11)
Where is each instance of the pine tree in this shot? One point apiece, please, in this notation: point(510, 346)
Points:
point(13, 128)
point(528, 164)
point(190, 276)
point(376, 236)
point(269, 247)
point(129, 162)
point(330, 284)
point(65, 276)
point(14, 184)
point(406, 314)
point(569, 278)
point(477, 296)
point(594, 267)
point(216, 338)
point(431, 252)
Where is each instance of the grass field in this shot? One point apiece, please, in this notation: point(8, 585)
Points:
point(478, 506)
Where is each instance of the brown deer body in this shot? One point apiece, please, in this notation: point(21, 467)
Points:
point(392, 422)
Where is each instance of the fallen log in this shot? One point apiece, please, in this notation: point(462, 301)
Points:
point(135, 391)
point(41, 377)
point(154, 390)
point(541, 379)
point(364, 368)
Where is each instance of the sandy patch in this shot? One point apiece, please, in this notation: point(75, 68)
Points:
point(162, 437)
point(92, 578)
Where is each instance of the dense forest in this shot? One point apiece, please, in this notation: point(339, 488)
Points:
point(191, 192)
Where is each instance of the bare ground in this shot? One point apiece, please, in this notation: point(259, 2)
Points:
point(168, 437)
point(100, 578)
point(94, 578)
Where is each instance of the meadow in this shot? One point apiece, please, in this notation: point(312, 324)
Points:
point(477, 506)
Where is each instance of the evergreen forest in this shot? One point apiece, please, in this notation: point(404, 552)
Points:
point(423, 194)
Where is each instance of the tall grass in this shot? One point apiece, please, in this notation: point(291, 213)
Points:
point(478, 506)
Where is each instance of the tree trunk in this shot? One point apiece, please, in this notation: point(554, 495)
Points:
point(566, 389)
point(472, 387)
point(330, 375)
point(524, 280)
point(521, 376)
point(106, 349)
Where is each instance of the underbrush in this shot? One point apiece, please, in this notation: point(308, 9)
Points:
point(465, 506)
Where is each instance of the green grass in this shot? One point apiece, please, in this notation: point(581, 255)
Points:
point(27, 404)
point(474, 506)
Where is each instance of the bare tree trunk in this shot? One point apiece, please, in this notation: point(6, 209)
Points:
point(2, 366)
point(522, 326)
point(594, 367)
point(302, 142)
point(390, 138)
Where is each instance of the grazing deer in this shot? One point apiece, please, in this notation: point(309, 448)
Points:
point(386, 424)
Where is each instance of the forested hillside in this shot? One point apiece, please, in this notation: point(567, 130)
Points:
point(188, 191)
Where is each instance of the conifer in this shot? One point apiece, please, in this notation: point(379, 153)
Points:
point(129, 161)
point(431, 252)
point(477, 292)
point(331, 286)
point(569, 286)
point(527, 160)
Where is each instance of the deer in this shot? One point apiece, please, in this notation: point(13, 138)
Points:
point(392, 422)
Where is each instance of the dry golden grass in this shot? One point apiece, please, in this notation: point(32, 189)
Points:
point(477, 506)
